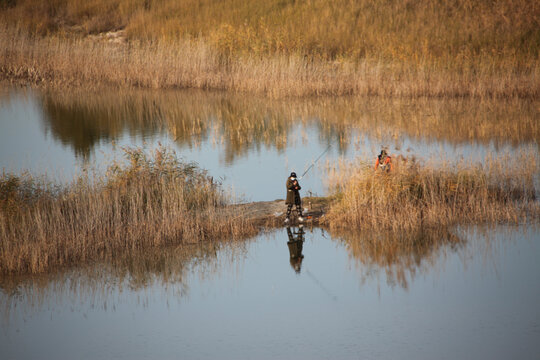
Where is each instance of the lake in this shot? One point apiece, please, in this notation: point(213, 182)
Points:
point(465, 292)
point(252, 144)
point(476, 297)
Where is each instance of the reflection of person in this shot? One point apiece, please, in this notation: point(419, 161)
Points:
point(293, 197)
point(295, 244)
point(384, 161)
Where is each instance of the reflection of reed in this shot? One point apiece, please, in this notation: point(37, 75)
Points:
point(100, 284)
point(400, 255)
point(242, 123)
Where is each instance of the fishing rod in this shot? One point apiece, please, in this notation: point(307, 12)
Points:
point(314, 162)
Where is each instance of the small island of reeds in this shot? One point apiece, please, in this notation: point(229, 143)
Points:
point(154, 201)
point(415, 196)
point(150, 200)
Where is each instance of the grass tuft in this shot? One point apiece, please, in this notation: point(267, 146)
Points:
point(414, 196)
point(149, 201)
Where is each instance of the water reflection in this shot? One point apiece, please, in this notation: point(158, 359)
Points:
point(295, 243)
point(248, 142)
point(100, 283)
point(243, 123)
point(177, 301)
point(401, 256)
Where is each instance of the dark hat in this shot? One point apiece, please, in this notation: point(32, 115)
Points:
point(293, 174)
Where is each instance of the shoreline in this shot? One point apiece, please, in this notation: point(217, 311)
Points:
point(266, 215)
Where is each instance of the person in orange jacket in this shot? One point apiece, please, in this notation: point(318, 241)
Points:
point(384, 161)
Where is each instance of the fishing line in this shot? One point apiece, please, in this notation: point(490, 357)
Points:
point(321, 285)
point(314, 162)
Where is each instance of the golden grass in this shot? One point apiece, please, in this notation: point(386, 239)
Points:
point(150, 202)
point(457, 32)
point(282, 48)
point(413, 197)
point(57, 61)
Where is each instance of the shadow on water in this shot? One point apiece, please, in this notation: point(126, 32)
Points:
point(241, 124)
point(167, 267)
point(401, 256)
point(295, 244)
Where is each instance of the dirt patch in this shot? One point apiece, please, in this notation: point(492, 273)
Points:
point(114, 37)
point(272, 213)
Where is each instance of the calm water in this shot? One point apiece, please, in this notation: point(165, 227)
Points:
point(476, 296)
point(252, 144)
point(470, 293)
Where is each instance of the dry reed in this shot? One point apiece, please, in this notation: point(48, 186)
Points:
point(412, 196)
point(456, 33)
point(149, 202)
point(56, 61)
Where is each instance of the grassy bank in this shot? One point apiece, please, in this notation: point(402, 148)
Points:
point(413, 197)
point(157, 202)
point(148, 202)
point(280, 48)
point(59, 62)
point(457, 32)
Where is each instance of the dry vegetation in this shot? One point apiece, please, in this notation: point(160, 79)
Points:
point(281, 48)
point(146, 203)
point(414, 197)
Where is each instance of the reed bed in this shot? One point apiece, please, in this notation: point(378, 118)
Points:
point(281, 48)
point(460, 31)
point(56, 61)
point(414, 196)
point(150, 201)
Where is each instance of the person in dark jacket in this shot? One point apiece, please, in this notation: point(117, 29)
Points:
point(293, 197)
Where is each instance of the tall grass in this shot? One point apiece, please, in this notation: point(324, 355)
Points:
point(413, 196)
point(457, 32)
point(59, 61)
point(148, 202)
